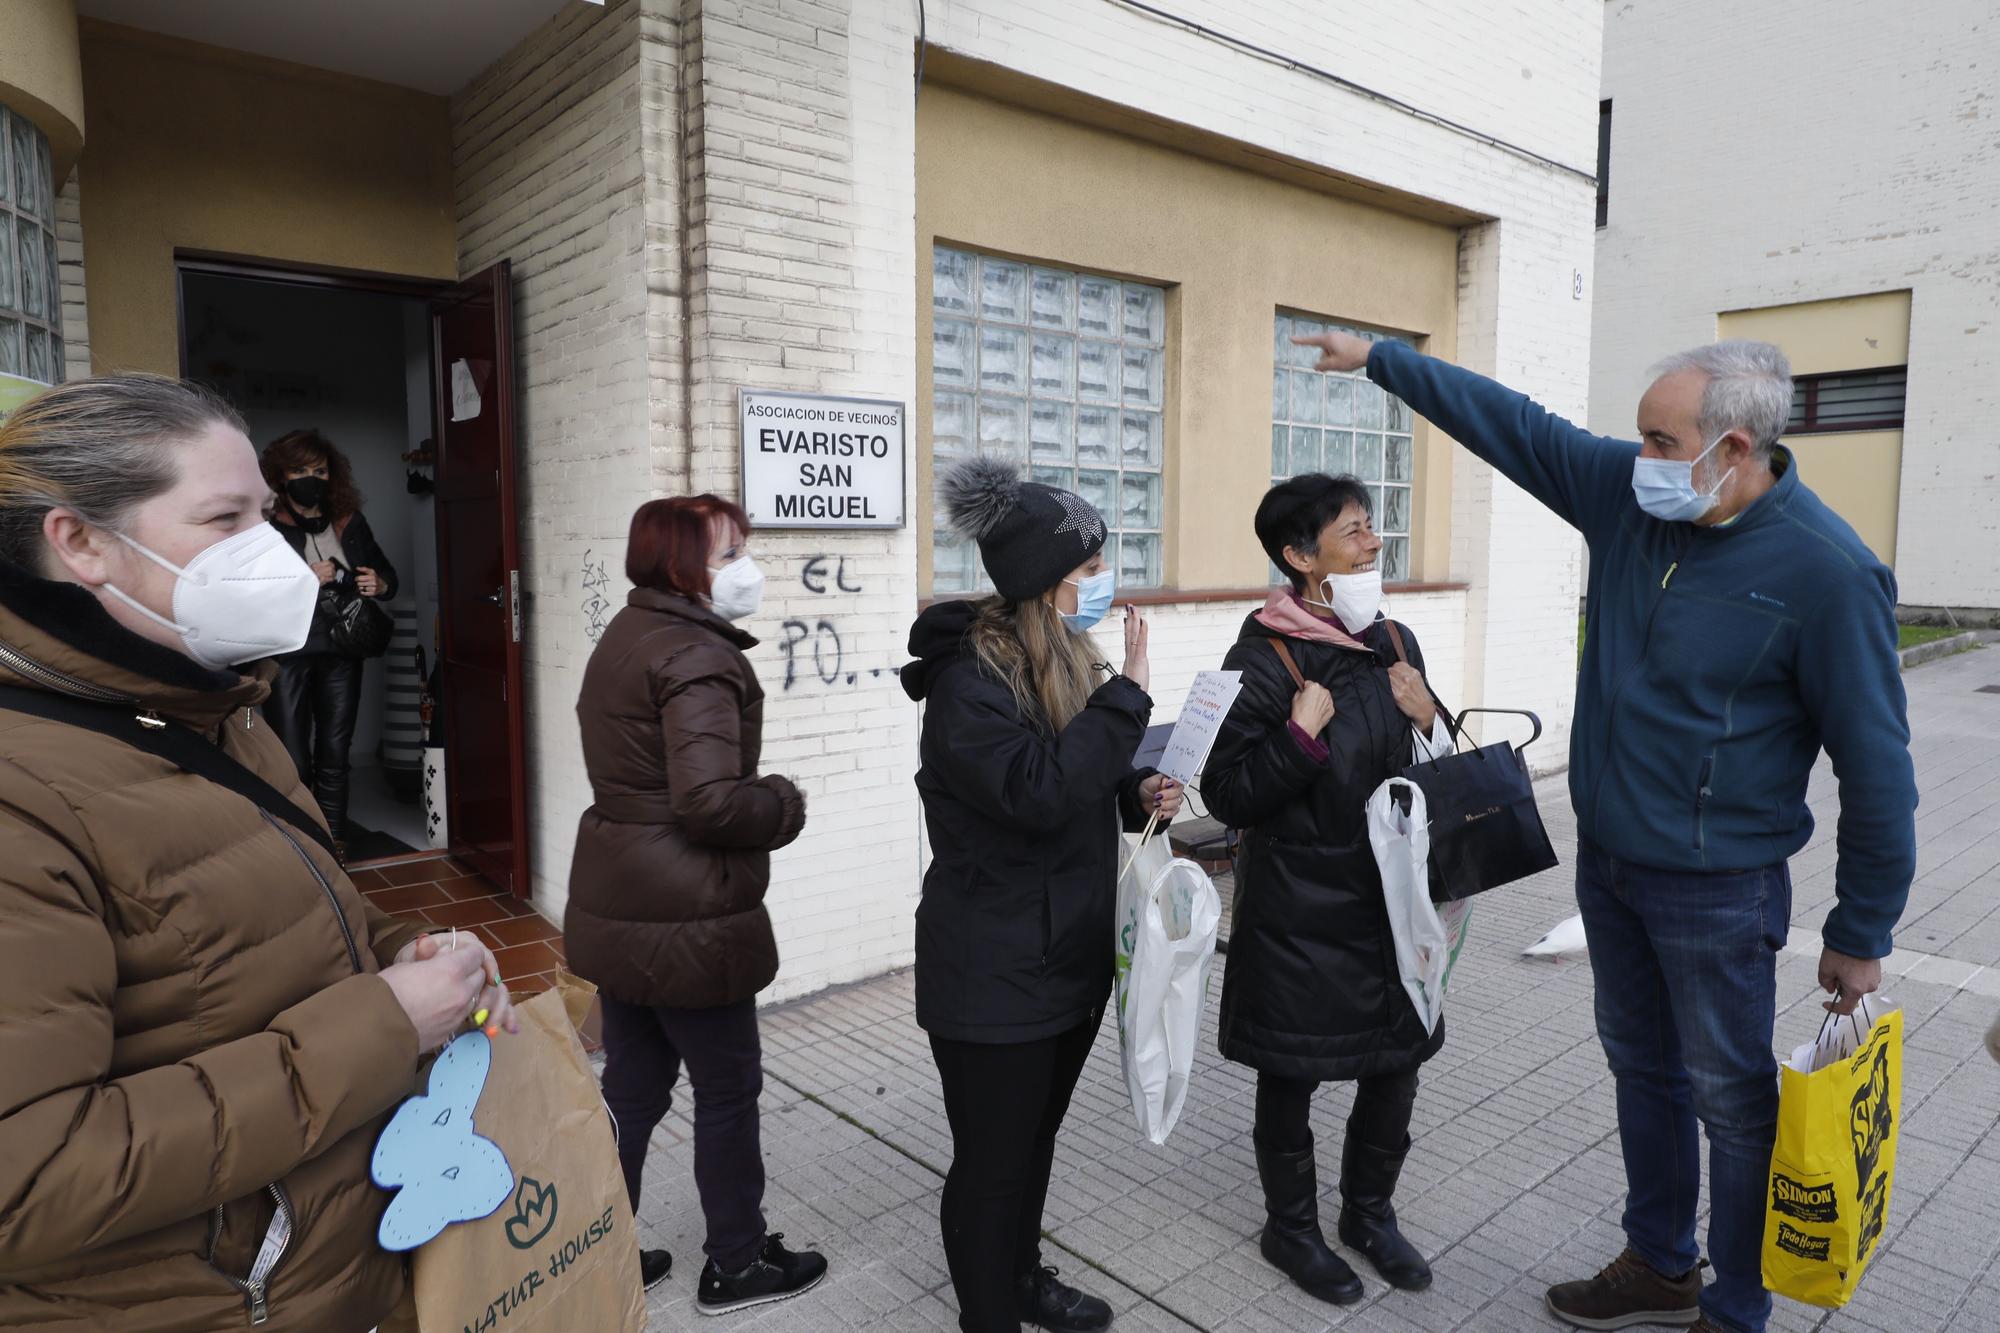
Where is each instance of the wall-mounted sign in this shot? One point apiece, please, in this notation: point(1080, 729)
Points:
point(816, 462)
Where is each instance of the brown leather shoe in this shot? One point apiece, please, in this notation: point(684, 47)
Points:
point(1629, 1291)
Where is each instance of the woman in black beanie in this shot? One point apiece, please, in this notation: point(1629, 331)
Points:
point(1026, 779)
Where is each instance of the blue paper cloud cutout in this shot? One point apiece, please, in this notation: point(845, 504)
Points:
point(443, 1172)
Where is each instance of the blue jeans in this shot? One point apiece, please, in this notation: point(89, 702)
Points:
point(1686, 971)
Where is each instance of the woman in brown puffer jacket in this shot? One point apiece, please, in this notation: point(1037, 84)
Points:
point(666, 895)
point(202, 1022)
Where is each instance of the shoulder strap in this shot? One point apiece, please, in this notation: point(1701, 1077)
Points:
point(1285, 656)
point(1396, 638)
point(184, 749)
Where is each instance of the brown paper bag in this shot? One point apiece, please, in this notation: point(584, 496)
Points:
point(561, 1255)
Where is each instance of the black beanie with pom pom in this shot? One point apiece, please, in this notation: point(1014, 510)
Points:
point(1031, 536)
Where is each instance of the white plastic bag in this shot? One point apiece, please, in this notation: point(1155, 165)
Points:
point(1428, 939)
point(1168, 917)
point(1840, 1037)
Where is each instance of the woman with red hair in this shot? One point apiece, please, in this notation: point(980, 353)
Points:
point(666, 898)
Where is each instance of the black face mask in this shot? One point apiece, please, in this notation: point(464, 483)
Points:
point(307, 492)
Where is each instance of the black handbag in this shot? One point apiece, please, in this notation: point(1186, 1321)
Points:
point(357, 626)
point(1486, 829)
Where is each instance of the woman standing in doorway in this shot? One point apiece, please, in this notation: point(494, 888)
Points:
point(1026, 779)
point(1311, 993)
point(317, 695)
point(666, 894)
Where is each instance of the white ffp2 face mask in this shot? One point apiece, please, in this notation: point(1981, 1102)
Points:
point(1353, 598)
point(736, 590)
point(247, 597)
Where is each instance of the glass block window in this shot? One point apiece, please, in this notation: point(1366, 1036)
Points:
point(30, 292)
point(1324, 422)
point(1063, 373)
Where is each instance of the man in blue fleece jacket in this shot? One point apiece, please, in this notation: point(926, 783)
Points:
point(1737, 626)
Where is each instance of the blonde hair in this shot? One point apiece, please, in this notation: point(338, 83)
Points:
point(97, 446)
point(1051, 668)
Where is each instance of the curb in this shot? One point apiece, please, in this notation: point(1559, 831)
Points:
point(1918, 654)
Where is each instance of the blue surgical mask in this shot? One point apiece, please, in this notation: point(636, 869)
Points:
point(1665, 489)
point(1093, 599)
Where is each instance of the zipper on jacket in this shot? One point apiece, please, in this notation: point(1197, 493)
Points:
point(256, 1288)
point(1703, 790)
point(333, 899)
point(50, 678)
point(1611, 707)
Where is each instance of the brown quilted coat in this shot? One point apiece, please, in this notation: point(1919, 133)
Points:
point(182, 1022)
point(666, 894)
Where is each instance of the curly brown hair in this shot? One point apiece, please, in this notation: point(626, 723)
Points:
point(301, 449)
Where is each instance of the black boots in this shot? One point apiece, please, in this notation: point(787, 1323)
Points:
point(1292, 1242)
point(1368, 1220)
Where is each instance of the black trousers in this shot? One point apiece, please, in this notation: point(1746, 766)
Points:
point(1005, 1104)
point(312, 707)
point(644, 1050)
point(1380, 1118)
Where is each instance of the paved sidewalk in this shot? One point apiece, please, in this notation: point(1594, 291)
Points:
point(1516, 1179)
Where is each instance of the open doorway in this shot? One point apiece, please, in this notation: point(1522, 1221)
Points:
point(372, 363)
point(355, 366)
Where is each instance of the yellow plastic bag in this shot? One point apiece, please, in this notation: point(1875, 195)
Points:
point(1839, 1104)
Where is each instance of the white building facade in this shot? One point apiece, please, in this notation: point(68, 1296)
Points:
point(1824, 175)
point(1080, 242)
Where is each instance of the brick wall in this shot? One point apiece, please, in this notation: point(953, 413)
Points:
point(799, 163)
point(549, 153)
point(1844, 153)
point(798, 169)
point(69, 255)
point(703, 195)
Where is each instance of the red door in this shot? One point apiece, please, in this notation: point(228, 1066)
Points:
point(479, 577)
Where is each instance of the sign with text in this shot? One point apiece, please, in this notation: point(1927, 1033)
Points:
point(1208, 702)
point(817, 462)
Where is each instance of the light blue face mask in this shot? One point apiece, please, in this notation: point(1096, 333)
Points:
point(1093, 599)
point(1665, 489)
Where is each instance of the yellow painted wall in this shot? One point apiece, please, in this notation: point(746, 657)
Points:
point(1859, 474)
point(196, 148)
point(1851, 333)
point(1232, 247)
point(40, 75)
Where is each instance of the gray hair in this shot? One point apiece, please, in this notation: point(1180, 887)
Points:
point(100, 447)
point(1749, 389)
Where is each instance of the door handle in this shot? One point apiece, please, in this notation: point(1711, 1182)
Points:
point(495, 596)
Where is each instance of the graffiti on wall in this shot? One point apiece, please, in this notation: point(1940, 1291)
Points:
point(814, 648)
point(596, 595)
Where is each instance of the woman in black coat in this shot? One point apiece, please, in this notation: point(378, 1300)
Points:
point(1311, 992)
point(316, 696)
point(1026, 778)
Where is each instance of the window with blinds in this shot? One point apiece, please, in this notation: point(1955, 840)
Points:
point(1848, 400)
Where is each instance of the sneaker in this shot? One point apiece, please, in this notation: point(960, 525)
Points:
point(777, 1274)
point(1629, 1291)
point(1044, 1302)
point(654, 1265)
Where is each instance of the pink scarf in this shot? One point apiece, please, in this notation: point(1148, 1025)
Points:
point(1286, 614)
